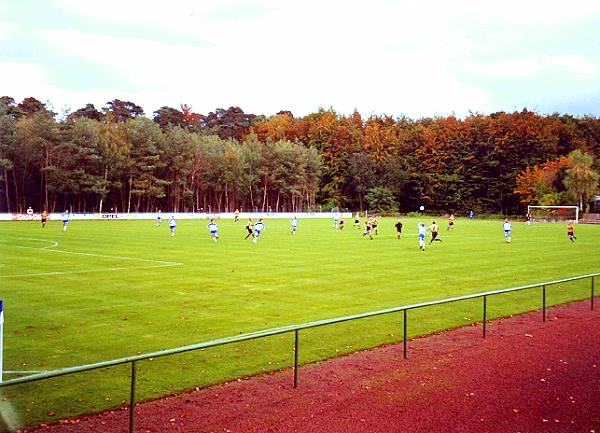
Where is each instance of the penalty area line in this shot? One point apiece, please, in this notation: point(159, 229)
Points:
point(50, 249)
point(87, 271)
point(107, 256)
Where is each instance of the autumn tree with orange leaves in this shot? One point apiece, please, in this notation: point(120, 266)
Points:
point(116, 157)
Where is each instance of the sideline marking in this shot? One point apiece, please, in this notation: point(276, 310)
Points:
point(53, 244)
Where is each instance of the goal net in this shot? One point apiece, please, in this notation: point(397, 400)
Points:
point(553, 214)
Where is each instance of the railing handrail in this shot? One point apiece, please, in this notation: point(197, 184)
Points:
point(270, 332)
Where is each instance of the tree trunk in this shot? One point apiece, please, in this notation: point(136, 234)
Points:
point(264, 203)
point(176, 193)
point(17, 195)
point(102, 196)
point(129, 195)
point(122, 198)
point(45, 179)
point(6, 190)
point(219, 202)
point(42, 188)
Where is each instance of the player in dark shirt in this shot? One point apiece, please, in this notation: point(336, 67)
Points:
point(398, 228)
point(249, 228)
point(368, 229)
point(571, 231)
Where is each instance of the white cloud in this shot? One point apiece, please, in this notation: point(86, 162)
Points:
point(21, 80)
point(7, 29)
point(277, 76)
point(381, 56)
point(573, 65)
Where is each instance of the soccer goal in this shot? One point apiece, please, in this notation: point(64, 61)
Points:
point(553, 214)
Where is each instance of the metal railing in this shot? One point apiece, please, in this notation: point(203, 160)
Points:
point(295, 329)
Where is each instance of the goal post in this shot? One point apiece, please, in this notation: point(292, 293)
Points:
point(553, 213)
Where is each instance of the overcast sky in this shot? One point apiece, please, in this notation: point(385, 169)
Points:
point(394, 57)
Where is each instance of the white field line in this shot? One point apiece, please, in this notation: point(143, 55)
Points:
point(24, 371)
point(156, 263)
point(88, 271)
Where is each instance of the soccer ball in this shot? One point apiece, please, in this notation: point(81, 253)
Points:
point(422, 208)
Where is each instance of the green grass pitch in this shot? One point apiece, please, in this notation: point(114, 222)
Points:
point(108, 289)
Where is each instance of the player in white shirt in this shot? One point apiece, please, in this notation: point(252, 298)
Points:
point(507, 230)
point(65, 220)
point(213, 229)
point(158, 218)
point(336, 220)
point(294, 224)
point(172, 225)
point(422, 232)
point(259, 226)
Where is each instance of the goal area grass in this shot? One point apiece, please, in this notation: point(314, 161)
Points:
point(109, 289)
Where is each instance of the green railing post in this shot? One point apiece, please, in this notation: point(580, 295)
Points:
point(592, 297)
point(544, 303)
point(132, 400)
point(404, 337)
point(484, 314)
point(296, 358)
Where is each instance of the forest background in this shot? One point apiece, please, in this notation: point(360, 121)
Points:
point(118, 159)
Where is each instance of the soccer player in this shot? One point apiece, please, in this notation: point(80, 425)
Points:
point(65, 220)
point(507, 230)
point(44, 218)
point(213, 229)
point(172, 225)
point(451, 222)
point(368, 228)
point(158, 218)
point(249, 228)
point(434, 232)
point(398, 226)
point(236, 216)
point(29, 213)
point(357, 221)
point(336, 220)
point(375, 225)
point(341, 223)
point(259, 226)
point(422, 231)
point(571, 231)
point(294, 224)
point(528, 219)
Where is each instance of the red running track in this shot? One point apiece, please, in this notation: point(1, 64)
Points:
point(527, 376)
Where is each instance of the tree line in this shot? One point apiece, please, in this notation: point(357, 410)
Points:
point(119, 159)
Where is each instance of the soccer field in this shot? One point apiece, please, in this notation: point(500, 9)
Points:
point(108, 289)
